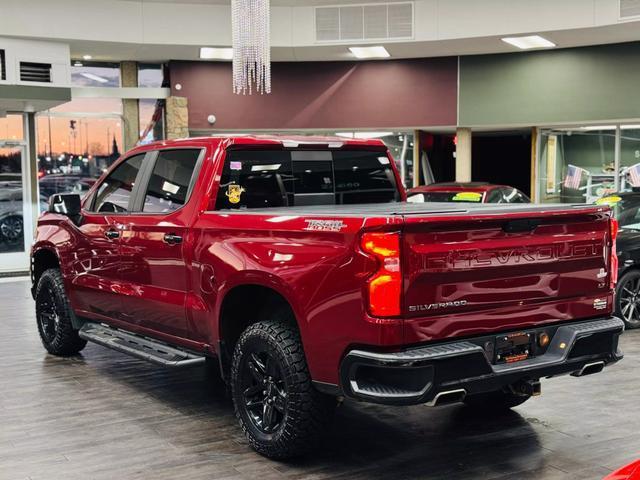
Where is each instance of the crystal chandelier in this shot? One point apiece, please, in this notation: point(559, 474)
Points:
point(251, 46)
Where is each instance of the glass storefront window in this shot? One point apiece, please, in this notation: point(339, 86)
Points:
point(576, 165)
point(151, 120)
point(102, 106)
point(629, 157)
point(11, 127)
point(95, 74)
point(76, 143)
point(11, 205)
point(150, 75)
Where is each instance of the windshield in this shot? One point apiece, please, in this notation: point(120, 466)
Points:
point(458, 197)
point(625, 209)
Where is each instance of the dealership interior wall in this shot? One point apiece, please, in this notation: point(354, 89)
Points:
point(453, 102)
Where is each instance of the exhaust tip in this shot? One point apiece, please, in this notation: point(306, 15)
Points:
point(589, 368)
point(447, 398)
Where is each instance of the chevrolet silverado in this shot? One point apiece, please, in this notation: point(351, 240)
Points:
point(298, 269)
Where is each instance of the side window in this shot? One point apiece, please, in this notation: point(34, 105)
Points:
point(114, 192)
point(513, 195)
point(168, 186)
point(495, 196)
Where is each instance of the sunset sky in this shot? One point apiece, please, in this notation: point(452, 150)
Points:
point(95, 132)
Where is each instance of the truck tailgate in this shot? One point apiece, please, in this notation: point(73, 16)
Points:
point(454, 265)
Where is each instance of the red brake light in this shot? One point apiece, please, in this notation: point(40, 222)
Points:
point(613, 264)
point(385, 286)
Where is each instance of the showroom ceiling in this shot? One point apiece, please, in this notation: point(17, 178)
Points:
point(160, 30)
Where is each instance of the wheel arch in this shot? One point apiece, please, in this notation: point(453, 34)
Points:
point(42, 259)
point(246, 304)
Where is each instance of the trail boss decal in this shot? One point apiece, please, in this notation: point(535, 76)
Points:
point(324, 225)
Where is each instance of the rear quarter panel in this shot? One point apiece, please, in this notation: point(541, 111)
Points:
point(320, 273)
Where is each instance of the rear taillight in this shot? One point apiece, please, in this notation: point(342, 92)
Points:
point(613, 263)
point(385, 285)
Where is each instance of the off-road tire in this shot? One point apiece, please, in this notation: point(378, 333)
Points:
point(59, 337)
point(498, 401)
point(306, 411)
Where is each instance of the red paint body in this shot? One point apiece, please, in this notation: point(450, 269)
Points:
point(174, 292)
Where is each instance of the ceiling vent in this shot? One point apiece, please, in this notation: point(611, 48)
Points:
point(3, 66)
point(629, 9)
point(35, 72)
point(356, 23)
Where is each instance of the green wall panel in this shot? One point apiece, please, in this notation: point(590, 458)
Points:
point(551, 86)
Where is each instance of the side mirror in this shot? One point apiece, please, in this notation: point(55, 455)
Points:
point(66, 204)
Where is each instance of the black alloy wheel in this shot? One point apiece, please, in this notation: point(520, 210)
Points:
point(264, 391)
point(47, 314)
point(628, 299)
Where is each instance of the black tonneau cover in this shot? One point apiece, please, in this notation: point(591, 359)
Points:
point(409, 209)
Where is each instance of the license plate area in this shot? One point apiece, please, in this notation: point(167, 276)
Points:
point(514, 347)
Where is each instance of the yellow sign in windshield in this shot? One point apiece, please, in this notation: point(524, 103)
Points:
point(611, 200)
point(467, 197)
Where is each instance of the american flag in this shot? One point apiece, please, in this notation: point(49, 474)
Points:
point(634, 175)
point(574, 176)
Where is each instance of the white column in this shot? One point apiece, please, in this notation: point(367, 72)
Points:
point(463, 155)
point(416, 157)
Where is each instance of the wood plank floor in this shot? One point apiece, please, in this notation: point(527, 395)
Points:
point(104, 415)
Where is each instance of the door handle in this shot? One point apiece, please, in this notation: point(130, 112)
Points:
point(112, 234)
point(172, 238)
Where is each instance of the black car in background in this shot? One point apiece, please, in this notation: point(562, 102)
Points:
point(626, 208)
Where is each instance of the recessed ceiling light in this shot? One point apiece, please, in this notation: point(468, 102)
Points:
point(526, 43)
point(215, 53)
point(370, 52)
point(87, 57)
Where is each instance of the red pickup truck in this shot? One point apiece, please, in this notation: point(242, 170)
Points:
point(296, 266)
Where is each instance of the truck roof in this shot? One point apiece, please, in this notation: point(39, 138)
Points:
point(284, 140)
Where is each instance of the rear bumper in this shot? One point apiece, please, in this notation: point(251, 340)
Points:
point(427, 374)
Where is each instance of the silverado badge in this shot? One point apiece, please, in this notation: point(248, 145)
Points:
point(234, 192)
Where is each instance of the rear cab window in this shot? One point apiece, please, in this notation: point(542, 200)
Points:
point(287, 178)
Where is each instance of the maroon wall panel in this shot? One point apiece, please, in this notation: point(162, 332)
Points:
point(324, 95)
